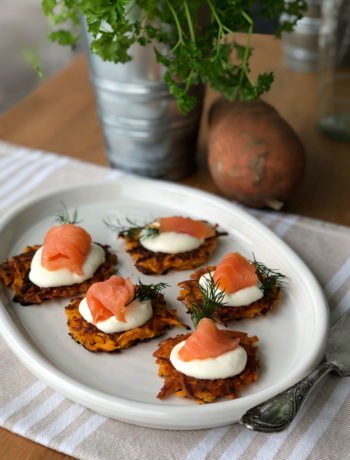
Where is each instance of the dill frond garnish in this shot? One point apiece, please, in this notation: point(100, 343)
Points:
point(211, 299)
point(63, 217)
point(115, 225)
point(132, 230)
point(148, 291)
point(148, 232)
point(268, 277)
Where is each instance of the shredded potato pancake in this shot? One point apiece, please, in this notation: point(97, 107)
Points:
point(95, 340)
point(190, 292)
point(205, 390)
point(159, 263)
point(15, 274)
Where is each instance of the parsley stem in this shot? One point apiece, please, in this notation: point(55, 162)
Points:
point(222, 27)
point(189, 22)
point(188, 83)
point(177, 22)
point(244, 69)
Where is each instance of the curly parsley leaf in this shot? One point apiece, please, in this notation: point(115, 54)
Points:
point(194, 40)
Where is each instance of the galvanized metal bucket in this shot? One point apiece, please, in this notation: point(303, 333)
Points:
point(143, 129)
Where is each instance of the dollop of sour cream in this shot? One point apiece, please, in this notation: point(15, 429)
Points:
point(64, 277)
point(137, 313)
point(170, 242)
point(226, 365)
point(239, 298)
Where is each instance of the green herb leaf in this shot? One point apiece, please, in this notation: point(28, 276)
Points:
point(132, 229)
point(64, 37)
point(48, 6)
point(148, 291)
point(268, 277)
point(192, 51)
point(63, 217)
point(33, 58)
point(148, 232)
point(211, 299)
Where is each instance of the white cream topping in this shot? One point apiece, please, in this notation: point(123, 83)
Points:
point(239, 298)
point(226, 365)
point(137, 313)
point(171, 242)
point(64, 277)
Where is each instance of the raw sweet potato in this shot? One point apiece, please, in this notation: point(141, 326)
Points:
point(254, 154)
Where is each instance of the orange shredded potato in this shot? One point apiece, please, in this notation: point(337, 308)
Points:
point(95, 340)
point(190, 292)
point(15, 274)
point(205, 390)
point(159, 263)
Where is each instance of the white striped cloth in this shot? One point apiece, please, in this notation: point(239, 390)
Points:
point(30, 408)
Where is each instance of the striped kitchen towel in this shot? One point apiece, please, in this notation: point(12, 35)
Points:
point(30, 408)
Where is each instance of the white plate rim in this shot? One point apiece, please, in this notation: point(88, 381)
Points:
point(144, 414)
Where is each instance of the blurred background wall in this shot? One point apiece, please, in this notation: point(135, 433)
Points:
point(23, 26)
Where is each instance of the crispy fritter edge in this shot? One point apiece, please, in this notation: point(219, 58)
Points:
point(205, 390)
point(159, 263)
point(189, 290)
point(15, 274)
point(95, 340)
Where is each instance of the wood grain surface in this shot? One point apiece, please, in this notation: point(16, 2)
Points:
point(60, 117)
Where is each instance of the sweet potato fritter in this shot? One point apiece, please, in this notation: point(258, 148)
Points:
point(159, 263)
point(95, 340)
point(15, 274)
point(190, 292)
point(205, 390)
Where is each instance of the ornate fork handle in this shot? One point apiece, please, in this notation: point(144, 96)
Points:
point(277, 413)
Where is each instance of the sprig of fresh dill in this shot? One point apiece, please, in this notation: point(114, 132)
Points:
point(148, 232)
point(63, 217)
point(269, 278)
point(211, 299)
point(148, 291)
point(197, 38)
point(132, 230)
point(116, 225)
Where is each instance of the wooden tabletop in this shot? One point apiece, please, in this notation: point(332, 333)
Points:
point(60, 117)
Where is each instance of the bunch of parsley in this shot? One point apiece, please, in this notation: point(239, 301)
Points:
point(197, 51)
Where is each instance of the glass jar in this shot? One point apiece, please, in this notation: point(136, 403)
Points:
point(334, 70)
point(300, 47)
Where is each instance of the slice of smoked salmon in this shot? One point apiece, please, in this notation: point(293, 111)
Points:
point(195, 228)
point(235, 272)
point(65, 246)
point(207, 341)
point(108, 298)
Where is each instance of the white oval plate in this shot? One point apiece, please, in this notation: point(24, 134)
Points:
point(124, 385)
